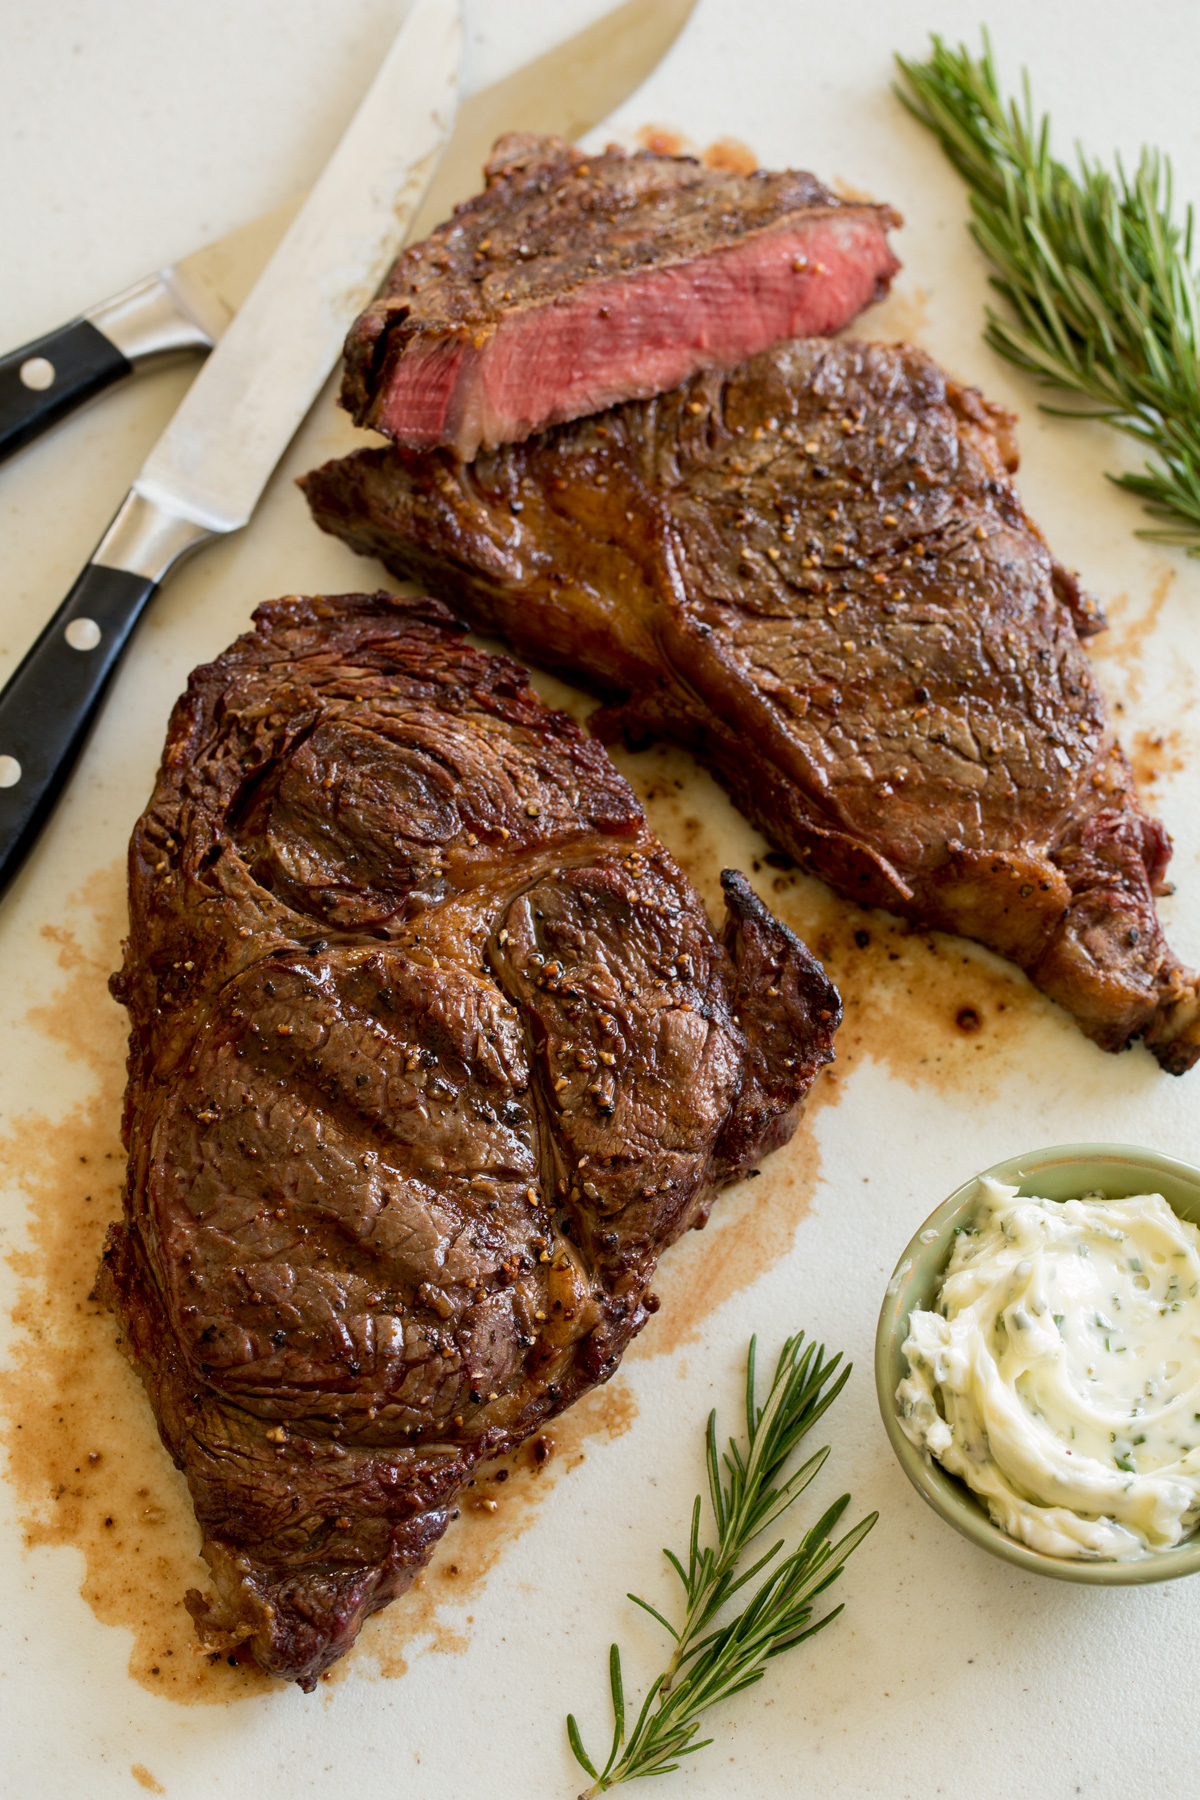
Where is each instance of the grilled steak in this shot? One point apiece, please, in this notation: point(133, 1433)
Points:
point(816, 572)
point(433, 1052)
point(577, 281)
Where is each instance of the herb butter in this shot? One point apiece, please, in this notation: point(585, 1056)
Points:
point(1060, 1375)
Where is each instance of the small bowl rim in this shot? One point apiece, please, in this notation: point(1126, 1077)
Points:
point(949, 1497)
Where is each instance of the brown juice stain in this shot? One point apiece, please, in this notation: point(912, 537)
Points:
point(83, 1453)
point(751, 1227)
point(907, 993)
point(902, 317)
point(664, 140)
point(1130, 628)
point(497, 1506)
point(845, 190)
point(84, 1456)
point(724, 153)
point(1120, 653)
point(1155, 753)
point(144, 1778)
point(937, 1011)
point(730, 153)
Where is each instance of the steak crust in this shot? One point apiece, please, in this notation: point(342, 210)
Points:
point(575, 281)
point(433, 1051)
point(816, 572)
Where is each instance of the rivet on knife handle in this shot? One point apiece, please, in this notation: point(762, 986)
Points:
point(44, 381)
point(47, 706)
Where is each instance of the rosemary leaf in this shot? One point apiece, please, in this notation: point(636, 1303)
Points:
point(1097, 274)
point(747, 1491)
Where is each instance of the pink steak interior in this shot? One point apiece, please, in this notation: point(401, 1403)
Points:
point(631, 336)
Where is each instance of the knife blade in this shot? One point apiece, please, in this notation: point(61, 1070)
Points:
point(188, 306)
point(206, 472)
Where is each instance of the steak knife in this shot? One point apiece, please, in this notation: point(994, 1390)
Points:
point(188, 306)
point(204, 476)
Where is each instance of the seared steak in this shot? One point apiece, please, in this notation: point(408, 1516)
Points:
point(433, 1052)
point(576, 281)
point(817, 573)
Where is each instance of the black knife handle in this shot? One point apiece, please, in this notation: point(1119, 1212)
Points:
point(43, 381)
point(48, 705)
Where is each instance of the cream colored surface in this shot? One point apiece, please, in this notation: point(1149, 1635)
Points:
point(131, 133)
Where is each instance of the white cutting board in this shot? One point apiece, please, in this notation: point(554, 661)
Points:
point(128, 134)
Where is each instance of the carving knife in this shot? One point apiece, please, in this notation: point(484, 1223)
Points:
point(205, 474)
point(188, 306)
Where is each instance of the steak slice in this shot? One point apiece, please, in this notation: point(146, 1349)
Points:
point(433, 1051)
point(575, 281)
point(816, 572)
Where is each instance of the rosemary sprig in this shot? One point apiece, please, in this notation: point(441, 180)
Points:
point(747, 1492)
point(1097, 273)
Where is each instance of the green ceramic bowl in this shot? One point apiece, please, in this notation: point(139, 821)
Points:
point(1061, 1173)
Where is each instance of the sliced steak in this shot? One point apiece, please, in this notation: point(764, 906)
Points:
point(433, 1051)
point(576, 281)
point(816, 572)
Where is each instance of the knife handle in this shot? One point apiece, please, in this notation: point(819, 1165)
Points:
point(48, 705)
point(43, 381)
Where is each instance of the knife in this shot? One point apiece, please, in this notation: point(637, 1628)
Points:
point(204, 476)
point(188, 306)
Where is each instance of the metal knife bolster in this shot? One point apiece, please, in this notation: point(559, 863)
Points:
point(155, 318)
point(147, 539)
point(41, 382)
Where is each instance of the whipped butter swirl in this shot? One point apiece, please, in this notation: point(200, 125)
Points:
point(1060, 1376)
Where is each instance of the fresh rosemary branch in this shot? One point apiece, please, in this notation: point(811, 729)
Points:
point(1097, 274)
point(747, 1491)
